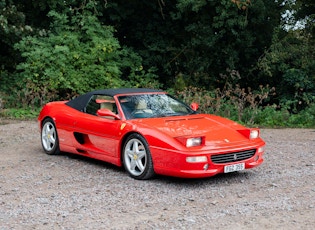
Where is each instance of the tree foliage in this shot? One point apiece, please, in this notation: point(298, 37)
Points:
point(12, 28)
point(196, 41)
point(305, 10)
point(76, 55)
point(289, 65)
point(54, 49)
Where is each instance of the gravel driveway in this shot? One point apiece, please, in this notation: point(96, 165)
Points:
point(38, 191)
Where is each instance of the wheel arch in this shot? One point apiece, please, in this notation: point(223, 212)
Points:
point(41, 120)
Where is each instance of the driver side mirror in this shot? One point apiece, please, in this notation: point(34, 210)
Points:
point(107, 113)
point(194, 106)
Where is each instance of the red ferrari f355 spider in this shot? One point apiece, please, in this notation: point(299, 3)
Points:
point(148, 132)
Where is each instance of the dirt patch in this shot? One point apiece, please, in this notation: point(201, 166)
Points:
point(38, 191)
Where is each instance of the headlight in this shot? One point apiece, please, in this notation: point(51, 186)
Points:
point(191, 141)
point(254, 134)
point(194, 141)
point(250, 133)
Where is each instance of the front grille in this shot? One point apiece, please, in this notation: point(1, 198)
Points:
point(233, 157)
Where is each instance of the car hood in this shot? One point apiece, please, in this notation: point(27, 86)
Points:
point(215, 129)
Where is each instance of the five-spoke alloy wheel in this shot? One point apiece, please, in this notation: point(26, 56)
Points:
point(137, 157)
point(49, 137)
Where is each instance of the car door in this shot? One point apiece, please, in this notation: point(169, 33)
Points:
point(95, 134)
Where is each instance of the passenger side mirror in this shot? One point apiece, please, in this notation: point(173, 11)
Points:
point(194, 106)
point(107, 114)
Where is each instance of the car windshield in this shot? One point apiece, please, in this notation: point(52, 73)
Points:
point(152, 105)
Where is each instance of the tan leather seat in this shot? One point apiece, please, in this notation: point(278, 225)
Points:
point(107, 105)
point(141, 107)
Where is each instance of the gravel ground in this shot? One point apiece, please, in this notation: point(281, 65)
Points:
point(38, 191)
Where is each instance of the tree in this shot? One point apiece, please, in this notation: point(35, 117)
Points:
point(305, 10)
point(289, 64)
point(196, 41)
point(12, 29)
point(76, 55)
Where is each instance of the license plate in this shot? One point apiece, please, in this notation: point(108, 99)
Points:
point(234, 168)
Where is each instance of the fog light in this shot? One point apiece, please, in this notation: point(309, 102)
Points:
point(205, 167)
point(197, 159)
point(256, 158)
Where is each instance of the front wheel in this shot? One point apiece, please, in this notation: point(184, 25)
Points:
point(137, 157)
point(49, 137)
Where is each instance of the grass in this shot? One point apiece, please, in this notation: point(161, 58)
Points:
point(13, 113)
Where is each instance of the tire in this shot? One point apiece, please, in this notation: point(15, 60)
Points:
point(49, 137)
point(137, 158)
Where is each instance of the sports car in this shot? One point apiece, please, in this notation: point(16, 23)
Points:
point(148, 132)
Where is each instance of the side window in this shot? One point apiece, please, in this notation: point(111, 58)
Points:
point(106, 102)
point(100, 102)
point(92, 106)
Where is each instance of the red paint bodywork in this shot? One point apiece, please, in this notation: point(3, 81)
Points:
point(104, 138)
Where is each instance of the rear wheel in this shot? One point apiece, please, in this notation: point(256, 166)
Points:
point(49, 137)
point(137, 157)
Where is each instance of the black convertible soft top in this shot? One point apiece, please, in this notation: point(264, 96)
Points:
point(81, 101)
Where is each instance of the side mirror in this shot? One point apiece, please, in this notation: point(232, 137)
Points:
point(107, 113)
point(194, 106)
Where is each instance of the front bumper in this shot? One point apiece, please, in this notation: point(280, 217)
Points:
point(173, 163)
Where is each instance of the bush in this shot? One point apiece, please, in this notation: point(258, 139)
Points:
point(246, 107)
point(26, 113)
point(270, 116)
point(77, 55)
point(232, 101)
